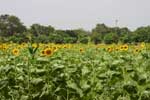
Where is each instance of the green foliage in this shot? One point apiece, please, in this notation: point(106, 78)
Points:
point(70, 75)
point(111, 38)
point(96, 38)
point(143, 34)
point(32, 50)
point(10, 25)
point(37, 29)
point(11, 29)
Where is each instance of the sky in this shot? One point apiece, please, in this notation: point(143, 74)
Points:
point(73, 14)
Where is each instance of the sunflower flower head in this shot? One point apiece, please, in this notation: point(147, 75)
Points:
point(125, 47)
point(15, 52)
point(109, 49)
point(48, 51)
point(121, 47)
point(136, 50)
point(142, 45)
point(81, 50)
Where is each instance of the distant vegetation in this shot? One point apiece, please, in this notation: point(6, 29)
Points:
point(13, 30)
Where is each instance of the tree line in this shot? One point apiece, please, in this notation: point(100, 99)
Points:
point(13, 30)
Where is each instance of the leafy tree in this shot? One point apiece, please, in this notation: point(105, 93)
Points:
point(142, 34)
point(96, 37)
point(10, 25)
point(99, 32)
point(127, 38)
point(111, 38)
point(82, 35)
point(37, 29)
point(101, 29)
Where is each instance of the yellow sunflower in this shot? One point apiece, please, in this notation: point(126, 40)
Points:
point(48, 52)
point(116, 49)
point(125, 47)
point(55, 48)
point(65, 46)
point(23, 44)
point(136, 50)
point(15, 52)
point(4, 47)
point(121, 47)
point(81, 49)
point(109, 49)
point(142, 45)
point(34, 45)
point(42, 53)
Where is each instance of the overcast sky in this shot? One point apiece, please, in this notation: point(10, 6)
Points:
point(72, 14)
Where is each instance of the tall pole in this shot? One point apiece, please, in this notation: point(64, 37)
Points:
point(116, 23)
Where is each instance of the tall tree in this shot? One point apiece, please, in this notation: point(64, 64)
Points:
point(99, 32)
point(37, 29)
point(9, 25)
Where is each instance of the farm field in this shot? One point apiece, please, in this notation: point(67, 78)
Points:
point(74, 71)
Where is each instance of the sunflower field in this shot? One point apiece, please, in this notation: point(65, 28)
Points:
point(74, 71)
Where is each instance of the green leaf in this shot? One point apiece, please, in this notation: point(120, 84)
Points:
point(24, 97)
point(42, 60)
point(36, 81)
point(85, 70)
point(75, 87)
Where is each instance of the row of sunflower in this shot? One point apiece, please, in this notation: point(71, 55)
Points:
point(125, 47)
point(49, 49)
